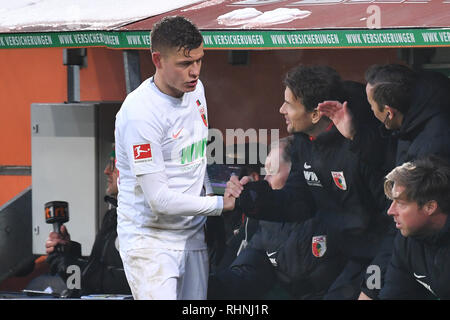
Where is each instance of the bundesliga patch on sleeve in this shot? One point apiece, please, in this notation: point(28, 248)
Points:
point(142, 152)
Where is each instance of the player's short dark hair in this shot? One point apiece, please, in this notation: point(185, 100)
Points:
point(175, 32)
point(392, 85)
point(424, 180)
point(314, 84)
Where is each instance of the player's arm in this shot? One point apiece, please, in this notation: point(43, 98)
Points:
point(165, 201)
point(148, 165)
point(207, 185)
point(258, 200)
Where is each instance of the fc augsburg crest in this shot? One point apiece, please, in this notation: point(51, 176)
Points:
point(319, 246)
point(202, 112)
point(339, 179)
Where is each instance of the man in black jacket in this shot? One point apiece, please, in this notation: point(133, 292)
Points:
point(414, 108)
point(420, 265)
point(102, 271)
point(327, 182)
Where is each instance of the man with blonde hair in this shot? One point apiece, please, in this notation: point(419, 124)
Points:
point(420, 264)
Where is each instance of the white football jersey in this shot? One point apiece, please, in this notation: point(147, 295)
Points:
point(156, 132)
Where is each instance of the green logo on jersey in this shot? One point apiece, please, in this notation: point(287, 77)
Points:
point(194, 151)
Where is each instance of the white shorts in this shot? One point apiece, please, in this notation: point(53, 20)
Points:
point(162, 274)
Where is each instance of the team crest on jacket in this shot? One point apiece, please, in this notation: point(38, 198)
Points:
point(202, 112)
point(319, 246)
point(339, 179)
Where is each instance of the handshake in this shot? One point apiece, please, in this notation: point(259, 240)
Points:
point(233, 191)
point(245, 195)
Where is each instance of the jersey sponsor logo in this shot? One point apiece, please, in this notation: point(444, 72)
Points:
point(175, 135)
point(311, 179)
point(319, 246)
point(339, 179)
point(194, 151)
point(202, 112)
point(142, 152)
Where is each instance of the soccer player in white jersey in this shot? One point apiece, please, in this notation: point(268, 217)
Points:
point(161, 133)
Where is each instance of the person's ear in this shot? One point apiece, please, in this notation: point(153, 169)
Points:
point(390, 112)
point(315, 116)
point(430, 207)
point(156, 58)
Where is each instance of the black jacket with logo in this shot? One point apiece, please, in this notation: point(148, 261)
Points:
point(332, 183)
point(331, 191)
point(420, 267)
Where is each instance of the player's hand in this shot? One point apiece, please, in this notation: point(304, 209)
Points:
point(55, 239)
point(340, 115)
point(233, 191)
point(235, 186)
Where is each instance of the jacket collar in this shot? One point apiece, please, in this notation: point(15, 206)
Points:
point(440, 237)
